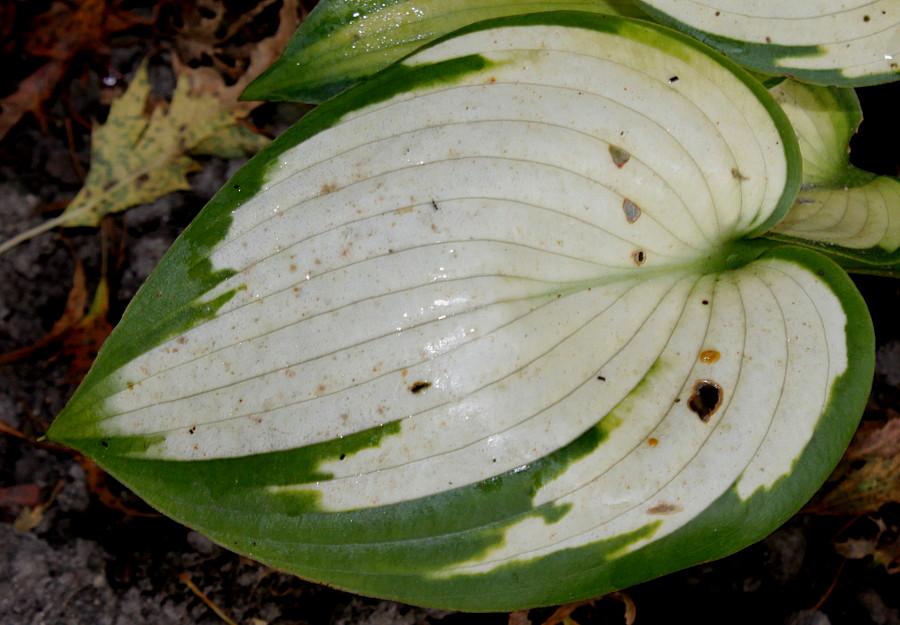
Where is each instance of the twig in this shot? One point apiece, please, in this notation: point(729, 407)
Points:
point(73, 155)
point(831, 588)
point(50, 224)
point(212, 606)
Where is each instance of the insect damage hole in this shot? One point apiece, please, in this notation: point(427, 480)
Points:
point(705, 399)
point(619, 156)
point(639, 257)
point(632, 211)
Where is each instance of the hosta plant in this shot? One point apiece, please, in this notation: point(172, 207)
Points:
point(495, 328)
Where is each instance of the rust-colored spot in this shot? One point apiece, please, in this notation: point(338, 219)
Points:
point(418, 387)
point(619, 156)
point(639, 257)
point(652, 442)
point(293, 267)
point(328, 188)
point(192, 430)
point(710, 356)
point(632, 211)
point(664, 508)
point(131, 386)
point(181, 340)
point(705, 399)
point(404, 373)
point(737, 175)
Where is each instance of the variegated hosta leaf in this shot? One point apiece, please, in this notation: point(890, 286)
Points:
point(848, 213)
point(826, 42)
point(342, 42)
point(481, 333)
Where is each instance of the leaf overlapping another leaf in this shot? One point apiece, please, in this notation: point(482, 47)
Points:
point(443, 342)
point(849, 214)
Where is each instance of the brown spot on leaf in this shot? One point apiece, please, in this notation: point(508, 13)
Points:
point(328, 188)
point(737, 175)
point(710, 356)
point(652, 442)
point(418, 387)
point(705, 399)
point(664, 508)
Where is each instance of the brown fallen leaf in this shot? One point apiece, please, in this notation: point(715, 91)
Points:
point(207, 34)
point(20, 495)
point(73, 312)
point(883, 547)
point(869, 474)
point(630, 607)
point(563, 614)
point(84, 340)
point(61, 33)
point(519, 617)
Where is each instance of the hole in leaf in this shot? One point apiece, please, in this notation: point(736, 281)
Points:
point(706, 399)
point(619, 156)
point(639, 257)
point(632, 211)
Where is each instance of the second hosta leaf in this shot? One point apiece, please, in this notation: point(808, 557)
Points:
point(484, 332)
point(845, 212)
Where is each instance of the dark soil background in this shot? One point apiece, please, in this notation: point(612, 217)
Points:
point(85, 562)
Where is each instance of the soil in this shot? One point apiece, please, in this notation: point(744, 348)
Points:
point(81, 561)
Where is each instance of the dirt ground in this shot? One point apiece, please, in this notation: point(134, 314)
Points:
point(75, 552)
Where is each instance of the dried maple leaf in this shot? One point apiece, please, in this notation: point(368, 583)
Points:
point(137, 159)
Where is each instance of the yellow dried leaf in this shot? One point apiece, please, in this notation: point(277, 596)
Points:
point(135, 159)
